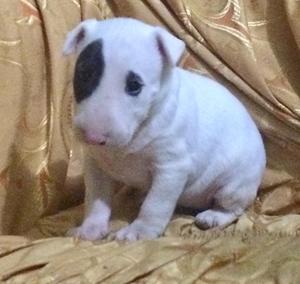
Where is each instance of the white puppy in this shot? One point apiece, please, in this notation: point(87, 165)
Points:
point(151, 125)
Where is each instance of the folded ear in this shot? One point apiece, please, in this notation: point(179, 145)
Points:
point(170, 47)
point(79, 36)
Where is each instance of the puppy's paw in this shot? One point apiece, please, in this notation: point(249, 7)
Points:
point(212, 218)
point(137, 230)
point(89, 231)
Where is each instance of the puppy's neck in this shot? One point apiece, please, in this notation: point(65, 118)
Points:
point(161, 113)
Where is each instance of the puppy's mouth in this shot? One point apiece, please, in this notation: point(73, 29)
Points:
point(82, 138)
point(95, 143)
point(117, 142)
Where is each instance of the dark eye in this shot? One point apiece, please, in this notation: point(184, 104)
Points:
point(134, 84)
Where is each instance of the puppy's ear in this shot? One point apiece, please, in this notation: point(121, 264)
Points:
point(170, 47)
point(79, 36)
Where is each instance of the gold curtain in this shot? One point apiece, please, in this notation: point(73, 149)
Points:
point(252, 47)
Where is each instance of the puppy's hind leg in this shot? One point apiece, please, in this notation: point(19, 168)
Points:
point(229, 203)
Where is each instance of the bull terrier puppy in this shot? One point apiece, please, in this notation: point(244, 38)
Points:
point(144, 122)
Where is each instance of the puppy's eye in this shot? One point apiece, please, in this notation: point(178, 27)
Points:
point(134, 84)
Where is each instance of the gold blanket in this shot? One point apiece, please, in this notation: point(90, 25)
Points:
point(252, 47)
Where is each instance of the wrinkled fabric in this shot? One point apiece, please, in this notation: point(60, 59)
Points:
point(251, 47)
point(239, 259)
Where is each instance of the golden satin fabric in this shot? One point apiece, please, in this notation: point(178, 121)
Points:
point(252, 47)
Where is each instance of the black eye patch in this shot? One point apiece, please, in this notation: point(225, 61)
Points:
point(134, 84)
point(88, 70)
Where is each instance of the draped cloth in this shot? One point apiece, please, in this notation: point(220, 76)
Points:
point(251, 47)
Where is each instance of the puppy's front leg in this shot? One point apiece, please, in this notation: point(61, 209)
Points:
point(158, 206)
point(97, 203)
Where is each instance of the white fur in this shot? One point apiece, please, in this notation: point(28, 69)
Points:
point(185, 139)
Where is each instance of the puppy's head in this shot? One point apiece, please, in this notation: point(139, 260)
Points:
point(118, 75)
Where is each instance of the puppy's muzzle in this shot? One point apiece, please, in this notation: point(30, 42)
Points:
point(91, 138)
